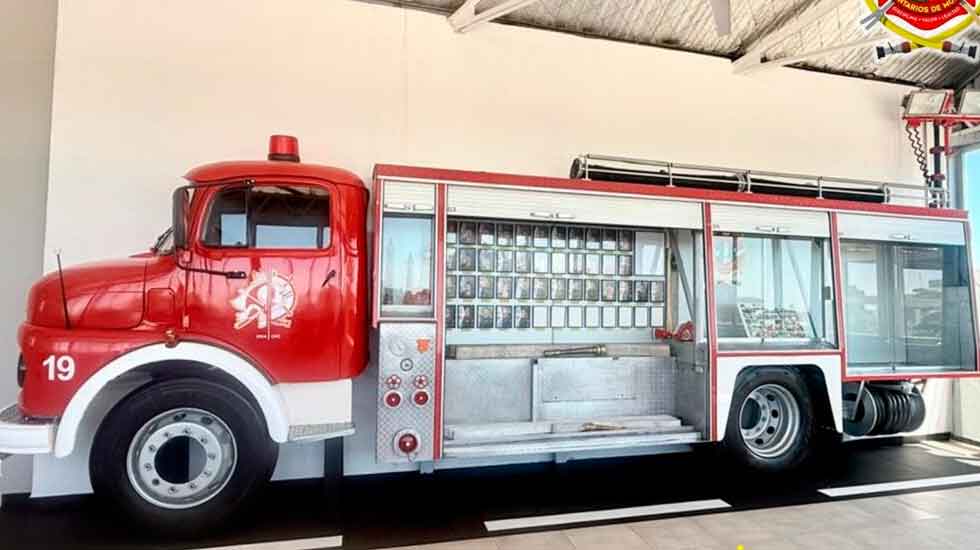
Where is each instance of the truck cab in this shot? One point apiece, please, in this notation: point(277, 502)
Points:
point(251, 304)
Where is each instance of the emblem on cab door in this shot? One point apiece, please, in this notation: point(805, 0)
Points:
point(268, 300)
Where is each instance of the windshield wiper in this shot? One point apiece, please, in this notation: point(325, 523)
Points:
point(159, 242)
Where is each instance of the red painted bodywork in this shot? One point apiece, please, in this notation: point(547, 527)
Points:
point(117, 306)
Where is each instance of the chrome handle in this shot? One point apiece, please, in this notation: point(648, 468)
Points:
point(547, 215)
point(396, 206)
point(901, 236)
point(563, 216)
point(767, 228)
point(422, 208)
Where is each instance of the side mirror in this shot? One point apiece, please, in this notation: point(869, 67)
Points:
point(181, 200)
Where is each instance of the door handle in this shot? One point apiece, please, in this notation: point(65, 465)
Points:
point(331, 275)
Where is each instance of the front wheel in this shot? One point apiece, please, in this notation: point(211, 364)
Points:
point(771, 424)
point(181, 456)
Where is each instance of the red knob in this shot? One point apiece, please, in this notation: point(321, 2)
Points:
point(408, 443)
point(393, 399)
point(421, 381)
point(420, 397)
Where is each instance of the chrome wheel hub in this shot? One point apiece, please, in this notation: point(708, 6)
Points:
point(769, 420)
point(181, 458)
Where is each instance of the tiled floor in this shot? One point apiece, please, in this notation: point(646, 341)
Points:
point(944, 519)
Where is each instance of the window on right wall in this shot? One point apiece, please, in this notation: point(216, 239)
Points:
point(907, 307)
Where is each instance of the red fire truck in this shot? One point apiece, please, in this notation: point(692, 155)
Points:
point(635, 306)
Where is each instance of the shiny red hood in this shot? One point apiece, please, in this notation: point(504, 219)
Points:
point(101, 295)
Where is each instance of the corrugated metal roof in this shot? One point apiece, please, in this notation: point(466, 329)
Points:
point(689, 25)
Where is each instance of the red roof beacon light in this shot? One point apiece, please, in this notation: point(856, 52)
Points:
point(283, 148)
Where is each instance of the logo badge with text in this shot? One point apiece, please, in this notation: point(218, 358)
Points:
point(919, 24)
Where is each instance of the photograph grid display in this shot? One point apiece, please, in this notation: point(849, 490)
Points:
point(510, 275)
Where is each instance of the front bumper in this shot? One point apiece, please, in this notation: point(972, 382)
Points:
point(20, 435)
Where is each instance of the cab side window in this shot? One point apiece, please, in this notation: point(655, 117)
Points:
point(270, 216)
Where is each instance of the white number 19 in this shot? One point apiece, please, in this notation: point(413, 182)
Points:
point(61, 367)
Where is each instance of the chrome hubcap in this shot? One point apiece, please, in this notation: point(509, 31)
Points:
point(181, 458)
point(769, 420)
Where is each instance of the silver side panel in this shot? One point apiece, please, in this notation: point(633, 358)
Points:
point(401, 354)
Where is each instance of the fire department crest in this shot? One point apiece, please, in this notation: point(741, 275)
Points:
point(268, 300)
point(923, 24)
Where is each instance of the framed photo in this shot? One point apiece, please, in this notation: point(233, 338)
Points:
point(557, 316)
point(522, 261)
point(484, 289)
point(539, 317)
point(488, 260)
point(593, 264)
point(467, 233)
point(487, 233)
point(609, 264)
point(576, 317)
point(541, 236)
point(650, 255)
point(576, 237)
point(523, 288)
point(505, 288)
point(559, 236)
point(610, 316)
point(451, 258)
point(522, 317)
point(505, 260)
point(609, 291)
point(467, 287)
point(522, 236)
point(625, 240)
point(576, 263)
point(451, 232)
point(609, 238)
point(559, 289)
point(625, 317)
point(541, 262)
point(625, 291)
point(451, 287)
point(484, 317)
point(576, 289)
point(592, 290)
point(540, 289)
point(641, 317)
point(466, 317)
point(593, 317)
point(505, 317)
point(593, 238)
point(658, 292)
point(559, 262)
point(467, 259)
point(625, 266)
point(450, 316)
point(505, 234)
point(642, 291)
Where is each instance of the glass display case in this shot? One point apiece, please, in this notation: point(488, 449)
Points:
point(505, 276)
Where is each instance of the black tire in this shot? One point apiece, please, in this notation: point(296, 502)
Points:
point(798, 447)
point(254, 454)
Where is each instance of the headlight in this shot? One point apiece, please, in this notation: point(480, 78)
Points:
point(21, 371)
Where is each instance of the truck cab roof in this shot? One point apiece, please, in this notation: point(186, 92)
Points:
point(234, 170)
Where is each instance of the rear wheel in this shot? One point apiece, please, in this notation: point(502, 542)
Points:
point(771, 425)
point(182, 455)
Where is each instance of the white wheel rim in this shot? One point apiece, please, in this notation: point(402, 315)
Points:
point(209, 436)
point(769, 421)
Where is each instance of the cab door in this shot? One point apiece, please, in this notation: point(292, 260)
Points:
point(264, 277)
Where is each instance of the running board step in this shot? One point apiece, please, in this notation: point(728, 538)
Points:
point(305, 433)
point(508, 430)
point(566, 445)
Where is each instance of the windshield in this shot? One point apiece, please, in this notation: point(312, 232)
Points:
point(164, 244)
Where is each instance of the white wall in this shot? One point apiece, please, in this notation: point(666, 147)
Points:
point(27, 38)
point(144, 91)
